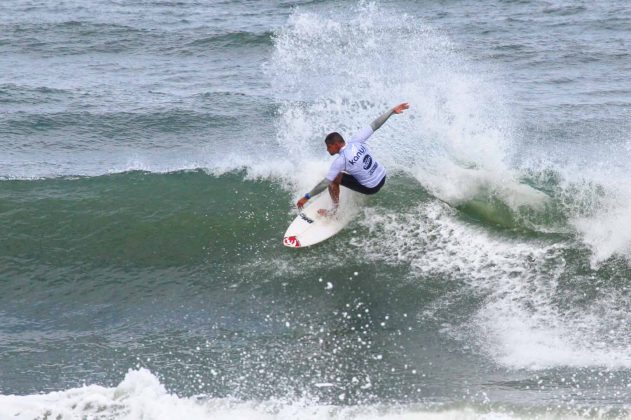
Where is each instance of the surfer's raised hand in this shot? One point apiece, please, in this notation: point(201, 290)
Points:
point(378, 122)
point(400, 108)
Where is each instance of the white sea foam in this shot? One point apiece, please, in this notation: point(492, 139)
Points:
point(454, 139)
point(337, 71)
point(523, 320)
point(141, 396)
point(606, 229)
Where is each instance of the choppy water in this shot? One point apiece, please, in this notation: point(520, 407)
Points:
point(151, 155)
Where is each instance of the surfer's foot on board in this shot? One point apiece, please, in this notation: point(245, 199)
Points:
point(327, 213)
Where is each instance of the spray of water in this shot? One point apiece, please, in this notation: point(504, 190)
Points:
point(332, 72)
point(337, 71)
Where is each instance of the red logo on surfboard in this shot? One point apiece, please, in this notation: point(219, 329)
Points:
point(291, 241)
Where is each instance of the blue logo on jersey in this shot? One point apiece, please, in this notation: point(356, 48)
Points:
point(355, 158)
point(367, 161)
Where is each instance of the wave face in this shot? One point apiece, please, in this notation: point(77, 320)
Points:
point(150, 167)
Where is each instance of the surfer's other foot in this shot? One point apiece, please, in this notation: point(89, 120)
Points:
point(326, 213)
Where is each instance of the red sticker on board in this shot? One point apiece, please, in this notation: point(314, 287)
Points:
point(291, 241)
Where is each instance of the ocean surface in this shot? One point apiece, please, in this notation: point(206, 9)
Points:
point(151, 155)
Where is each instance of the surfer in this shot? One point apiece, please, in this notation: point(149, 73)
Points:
point(355, 167)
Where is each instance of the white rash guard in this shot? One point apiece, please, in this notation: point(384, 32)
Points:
point(356, 159)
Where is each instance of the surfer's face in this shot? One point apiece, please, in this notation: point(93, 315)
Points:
point(334, 148)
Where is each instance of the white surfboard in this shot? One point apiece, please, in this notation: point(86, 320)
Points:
point(310, 228)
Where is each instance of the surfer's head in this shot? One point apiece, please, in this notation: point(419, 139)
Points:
point(334, 142)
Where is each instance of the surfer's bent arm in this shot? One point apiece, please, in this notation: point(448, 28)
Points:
point(322, 185)
point(336, 167)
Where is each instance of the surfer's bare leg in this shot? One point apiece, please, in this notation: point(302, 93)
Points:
point(334, 189)
point(334, 192)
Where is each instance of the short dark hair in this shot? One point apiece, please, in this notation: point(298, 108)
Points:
point(333, 138)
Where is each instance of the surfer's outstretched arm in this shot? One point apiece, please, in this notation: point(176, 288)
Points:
point(378, 122)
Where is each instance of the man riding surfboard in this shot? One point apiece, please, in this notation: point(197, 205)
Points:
point(355, 167)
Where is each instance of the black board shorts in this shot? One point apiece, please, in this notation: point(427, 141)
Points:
point(350, 182)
